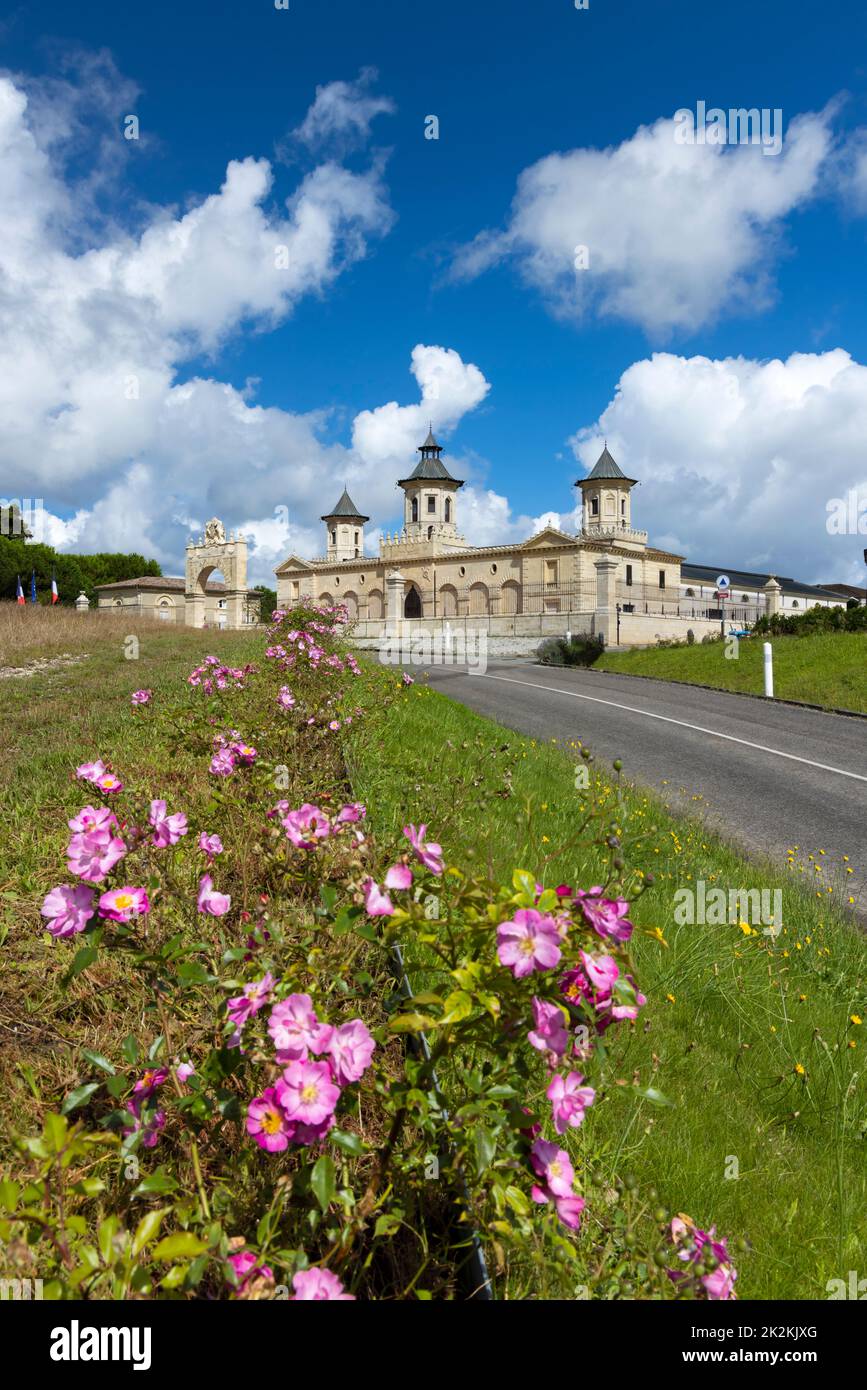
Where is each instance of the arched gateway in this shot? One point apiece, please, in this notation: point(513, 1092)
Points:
point(214, 552)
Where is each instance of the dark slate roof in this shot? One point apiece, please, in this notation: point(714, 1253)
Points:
point(749, 579)
point(605, 467)
point(430, 467)
point(345, 507)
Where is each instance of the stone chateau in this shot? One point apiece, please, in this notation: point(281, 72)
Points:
point(607, 579)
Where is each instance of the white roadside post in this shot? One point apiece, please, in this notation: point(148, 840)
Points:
point(769, 670)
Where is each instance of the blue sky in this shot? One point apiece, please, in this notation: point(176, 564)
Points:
point(717, 337)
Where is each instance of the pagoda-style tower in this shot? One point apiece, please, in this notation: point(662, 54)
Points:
point(344, 527)
point(430, 493)
point(606, 499)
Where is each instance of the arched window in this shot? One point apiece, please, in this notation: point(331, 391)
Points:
point(429, 532)
point(448, 512)
point(415, 509)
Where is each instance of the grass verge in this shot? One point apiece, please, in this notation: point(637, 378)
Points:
point(822, 669)
point(754, 1040)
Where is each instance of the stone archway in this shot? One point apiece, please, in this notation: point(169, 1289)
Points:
point(214, 552)
point(412, 607)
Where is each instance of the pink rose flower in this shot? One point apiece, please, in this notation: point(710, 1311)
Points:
point(91, 772)
point(606, 916)
point(93, 855)
point(109, 783)
point(551, 1164)
point(430, 854)
point(91, 818)
point(376, 903)
point(319, 1285)
point(294, 1028)
point(528, 942)
point(569, 1099)
point(306, 825)
point(350, 1048)
point(549, 1033)
point(141, 697)
point(151, 1126)
point(210, 844)
point(307, 1092)
point(209, 901)
point(351, 814)
point(247, 1270)
point(399, 876)
point(68, 909)
point(149, 1082)
point(222, 763)
point(121, 904)
point(285, 699)
point(255, 996)
point(167, 829)
point(267, 1122)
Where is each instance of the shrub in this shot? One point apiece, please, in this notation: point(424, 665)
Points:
point(577, 651)
point(816, 619)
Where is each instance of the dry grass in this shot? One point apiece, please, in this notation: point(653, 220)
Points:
point(34, 632)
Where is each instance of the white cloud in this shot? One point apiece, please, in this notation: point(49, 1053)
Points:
point(342, 113)
point(737, 460)
point(676, 233)
point(450, 387)
point(93, 418)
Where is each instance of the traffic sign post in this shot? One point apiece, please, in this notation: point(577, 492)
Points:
point(723, 585)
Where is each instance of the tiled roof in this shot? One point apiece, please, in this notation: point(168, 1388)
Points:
point(166, 583)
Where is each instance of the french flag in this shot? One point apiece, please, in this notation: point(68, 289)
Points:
point(54, 594)
point(19, 597)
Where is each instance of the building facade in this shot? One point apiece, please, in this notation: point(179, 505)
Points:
point(608, 578)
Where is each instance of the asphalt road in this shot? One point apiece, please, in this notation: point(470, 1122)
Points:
point(771, 776)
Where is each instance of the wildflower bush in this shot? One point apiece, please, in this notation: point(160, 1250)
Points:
point(292, 1117)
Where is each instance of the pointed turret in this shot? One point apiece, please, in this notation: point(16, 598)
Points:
point(344, 530)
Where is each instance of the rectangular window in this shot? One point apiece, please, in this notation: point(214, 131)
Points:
point(629, 575)
point(594, 506)
point(662, 579)
point(550, 571)
point(431, 504)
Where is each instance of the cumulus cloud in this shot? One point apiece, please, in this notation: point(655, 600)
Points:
point(341, 115)
point(94, 418)
point(450, 387)
point(737, 460)
point(675, 234)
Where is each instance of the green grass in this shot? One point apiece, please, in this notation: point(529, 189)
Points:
point(723, 1047)
point(730, 1018)
point(823, 669)
point(50, 723)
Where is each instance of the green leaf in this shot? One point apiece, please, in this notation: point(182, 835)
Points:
point(185, 1245)
point(350, 1143)
point(655, 1097)
point(458, 1006)
point(386, 1225)
point(83, 958)
point(9, 1193)
point(105, 1234)
point(322, 1180)
point(486, 1147)
point(411, 1023)
point(525, 883)
point(175, 1277)
point(158, 1182)
point(54, 1132)
point(148, 1229)
point(129, 1048)
point(97, 1060)
point(78, 1097)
